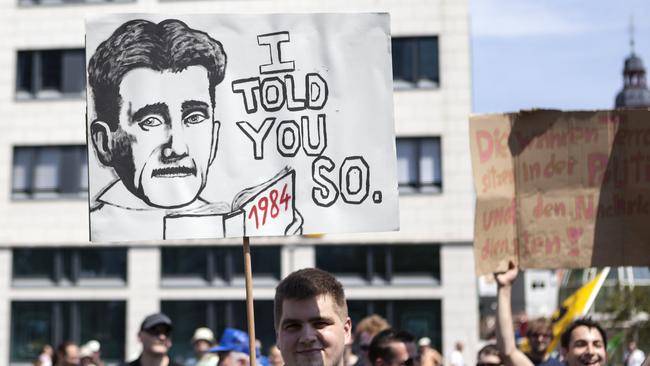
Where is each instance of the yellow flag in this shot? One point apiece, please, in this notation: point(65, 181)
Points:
point(576, 306)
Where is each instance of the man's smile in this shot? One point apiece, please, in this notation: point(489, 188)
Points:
point(174, 172)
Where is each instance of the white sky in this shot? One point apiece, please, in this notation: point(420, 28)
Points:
point(565, 54)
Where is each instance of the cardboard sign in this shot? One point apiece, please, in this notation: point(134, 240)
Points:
point(561, 189)
point(212, 126)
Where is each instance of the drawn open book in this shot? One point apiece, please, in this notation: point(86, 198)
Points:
point(264, 210)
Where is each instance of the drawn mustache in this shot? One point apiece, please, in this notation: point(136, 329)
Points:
point(173, 171)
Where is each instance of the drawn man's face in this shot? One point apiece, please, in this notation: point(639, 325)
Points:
point(167, 136)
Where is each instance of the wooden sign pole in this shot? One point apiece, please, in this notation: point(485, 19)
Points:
point(249, 302)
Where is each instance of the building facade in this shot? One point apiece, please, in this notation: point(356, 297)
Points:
point(55, 285)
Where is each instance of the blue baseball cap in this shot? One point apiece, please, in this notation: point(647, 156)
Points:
point(232, 340)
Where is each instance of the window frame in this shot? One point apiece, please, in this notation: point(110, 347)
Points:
point(36, 90)
point(414, 82)
point(63, 166)
point(67, 270)
point(417, 187)
point(386, 276)
point(220, 267)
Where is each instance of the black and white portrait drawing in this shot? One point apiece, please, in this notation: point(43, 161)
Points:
point(190, 141)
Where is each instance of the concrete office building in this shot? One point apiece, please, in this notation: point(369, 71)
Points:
point(54, 285)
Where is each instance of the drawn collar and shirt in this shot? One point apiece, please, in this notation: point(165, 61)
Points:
point(119, 215)
point(117, 207)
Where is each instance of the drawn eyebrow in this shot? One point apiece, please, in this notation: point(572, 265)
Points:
point(192, 105)
point(160, 109)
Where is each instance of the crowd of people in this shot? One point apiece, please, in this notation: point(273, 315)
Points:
point(313, 328)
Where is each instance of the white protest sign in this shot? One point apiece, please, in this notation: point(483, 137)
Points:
point(212, 126)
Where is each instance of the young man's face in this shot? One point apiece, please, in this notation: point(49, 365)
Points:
point(166, 136)
point(586, 348)
point(311, 332)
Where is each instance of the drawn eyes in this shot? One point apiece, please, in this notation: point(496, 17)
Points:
point(150, 122)
point(195, 118)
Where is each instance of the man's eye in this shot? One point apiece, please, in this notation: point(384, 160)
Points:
point(195, 117)
point(291, 326)
point(149, 122)
point(321, 324)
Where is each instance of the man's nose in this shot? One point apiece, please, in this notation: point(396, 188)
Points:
point(176, 147)
point(308, 334)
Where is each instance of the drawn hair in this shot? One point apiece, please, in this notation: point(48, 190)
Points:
point(565, 339)
point(306, 284)
point(169, 45)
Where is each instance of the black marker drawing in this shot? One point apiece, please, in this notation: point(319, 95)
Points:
point(226, 125)
point(153, 87)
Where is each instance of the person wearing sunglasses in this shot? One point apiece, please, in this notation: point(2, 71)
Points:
point(390, 348)
point(155, 336)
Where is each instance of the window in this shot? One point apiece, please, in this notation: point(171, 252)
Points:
point(419, 165)
point(422, 318)
point(50, 73)
point(202, 266)
point(50, 172)
point(411, 264)
point(35, 323)
point(216, 315)
point(415, 62)
point(69, 266)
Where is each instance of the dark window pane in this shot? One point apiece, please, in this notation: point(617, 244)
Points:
point(51, 69)
point(403, 59)
point(30, 329)
point(379, 261)
point(265, 261)
point(416, 260)
point(46, 172)
point(22, 169)
point(24, 71)
point(71, 164)
point(420, 318)
point(407, 162)
point(428, 60)
point(186, 262)
point(102, 263)
point(33, 263)
point(342, 260)
point(74, 72)
point(105, 322)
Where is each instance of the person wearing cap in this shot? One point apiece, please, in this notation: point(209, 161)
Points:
point(202, 340)
point(233, 348)
point(155, 336)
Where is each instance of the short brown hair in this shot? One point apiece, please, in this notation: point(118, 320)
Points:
point(372, 324)
point(308, 283)
point(539, 326)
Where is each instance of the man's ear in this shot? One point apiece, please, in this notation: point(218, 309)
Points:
point(215, 140)
point(102, 139)
point(347, 327)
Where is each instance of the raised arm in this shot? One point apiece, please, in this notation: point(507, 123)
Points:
point(504, 330)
